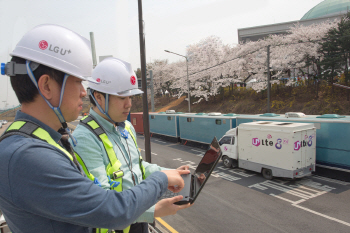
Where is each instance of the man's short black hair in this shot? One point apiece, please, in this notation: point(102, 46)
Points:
point(23, 86)
point(91, 99)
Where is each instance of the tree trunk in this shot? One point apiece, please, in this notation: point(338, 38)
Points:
point(348, 92)
point(223, 93)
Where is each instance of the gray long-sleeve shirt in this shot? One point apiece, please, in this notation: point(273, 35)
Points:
point(41, 190)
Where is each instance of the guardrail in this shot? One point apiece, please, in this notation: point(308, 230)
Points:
point(9, 111)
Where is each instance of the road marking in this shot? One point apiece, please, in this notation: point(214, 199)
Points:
point(199, 151)
point(224, 176)
point(159, 141)
point(282, 198)
point(151, 152)
point(322, 215)
point(166, 225)
point(189, 163)
point(241, 172)
point(330, 180)
point(300, 191)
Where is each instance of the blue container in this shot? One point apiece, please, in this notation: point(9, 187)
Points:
point(332, 136)
point(202, 127)
point(163, 123)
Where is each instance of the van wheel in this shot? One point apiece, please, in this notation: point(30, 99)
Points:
point(267, 173)
point(227, 161)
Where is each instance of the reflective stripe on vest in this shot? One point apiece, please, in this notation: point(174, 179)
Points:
point(86, 170)
point(126, 230)
point(113, 168)
point(30, 129)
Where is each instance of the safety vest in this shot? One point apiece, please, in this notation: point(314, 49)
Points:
point(30, 129)
point(113, 168)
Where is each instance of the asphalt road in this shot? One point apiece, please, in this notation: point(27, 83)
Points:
point(236, 200)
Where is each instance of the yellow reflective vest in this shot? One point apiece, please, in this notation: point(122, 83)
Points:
point(33, 130)
point(113, 168)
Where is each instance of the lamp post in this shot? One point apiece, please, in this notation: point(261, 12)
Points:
point(188, 81)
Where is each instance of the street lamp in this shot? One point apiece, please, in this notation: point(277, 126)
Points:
point(188, 81)
point(6, 104)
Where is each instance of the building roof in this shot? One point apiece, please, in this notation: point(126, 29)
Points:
point(328, 8)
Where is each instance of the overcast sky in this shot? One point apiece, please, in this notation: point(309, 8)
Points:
point(169, 24)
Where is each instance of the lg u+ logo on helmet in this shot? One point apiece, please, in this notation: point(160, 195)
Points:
point(102, 81)
point(44, 45)
point(133, 80)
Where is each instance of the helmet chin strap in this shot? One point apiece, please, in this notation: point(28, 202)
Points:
point(57, 110)
point(122, 124)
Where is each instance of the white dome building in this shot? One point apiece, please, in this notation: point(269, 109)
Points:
point(328, 9)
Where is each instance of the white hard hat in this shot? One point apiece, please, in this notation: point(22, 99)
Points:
point(57, 47)
point(115, 77)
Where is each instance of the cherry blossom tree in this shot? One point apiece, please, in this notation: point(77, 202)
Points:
point(214, 65)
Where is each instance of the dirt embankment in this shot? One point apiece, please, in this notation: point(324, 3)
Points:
point(309, 99)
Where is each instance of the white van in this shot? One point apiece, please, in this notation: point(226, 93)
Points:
point(275, 149)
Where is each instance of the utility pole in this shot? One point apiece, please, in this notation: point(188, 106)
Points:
point(144, 86)
point(188, 81)
point(93, 50)
point(152, 89)
point(188, 88)
point(268, 78)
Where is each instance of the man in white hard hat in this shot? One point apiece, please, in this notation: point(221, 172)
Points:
point(106, 127)
point(42, 186)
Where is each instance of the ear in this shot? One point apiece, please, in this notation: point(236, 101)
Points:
point(45, 85)
point(100, 99)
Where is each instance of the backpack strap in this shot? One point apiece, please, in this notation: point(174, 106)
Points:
point(30, 129)
point(113, 168)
